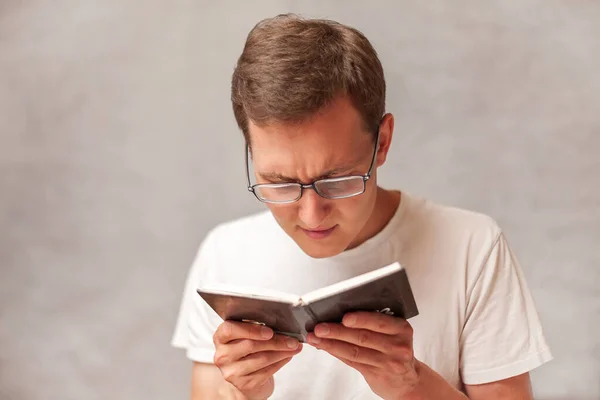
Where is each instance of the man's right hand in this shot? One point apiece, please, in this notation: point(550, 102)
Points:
point(248, 355)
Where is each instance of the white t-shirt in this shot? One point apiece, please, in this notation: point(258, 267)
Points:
point(477, 322)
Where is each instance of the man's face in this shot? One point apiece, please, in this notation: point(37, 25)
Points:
point(332, 144)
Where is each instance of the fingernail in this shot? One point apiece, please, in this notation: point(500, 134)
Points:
point(322, 330)
point(266, 332)
point(291, 343)
point(312, 339)
point(350, 320)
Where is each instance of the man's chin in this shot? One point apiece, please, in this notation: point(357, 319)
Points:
point(320, 249)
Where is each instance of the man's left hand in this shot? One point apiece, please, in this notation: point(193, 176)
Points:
point(379, 346)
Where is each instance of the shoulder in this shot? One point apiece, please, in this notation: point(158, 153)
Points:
point(450, 229)
point(247, 235)
point(244, 228)
point(434, 215)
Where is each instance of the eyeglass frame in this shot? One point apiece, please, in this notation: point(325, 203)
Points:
point(366, 177)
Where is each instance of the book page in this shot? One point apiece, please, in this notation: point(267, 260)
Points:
point(250, 292)
point(350, 283)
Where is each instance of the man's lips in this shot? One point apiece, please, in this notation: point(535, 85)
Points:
point(318, 233)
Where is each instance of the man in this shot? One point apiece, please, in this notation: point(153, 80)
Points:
point(309, 97)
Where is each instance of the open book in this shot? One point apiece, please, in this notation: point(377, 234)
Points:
point(384, 290)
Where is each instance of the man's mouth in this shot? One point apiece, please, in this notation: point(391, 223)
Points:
point(318, 234)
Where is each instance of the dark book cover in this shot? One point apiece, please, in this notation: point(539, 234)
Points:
point(386, 290)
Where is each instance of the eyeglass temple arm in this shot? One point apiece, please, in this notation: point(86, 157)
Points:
point(374, 156)
point(247, 148)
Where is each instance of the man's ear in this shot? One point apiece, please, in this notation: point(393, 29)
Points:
point(386, 131)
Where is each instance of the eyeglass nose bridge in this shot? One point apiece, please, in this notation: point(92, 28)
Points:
point(312, 186)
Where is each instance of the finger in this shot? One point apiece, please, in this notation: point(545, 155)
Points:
point(364, 369)
point(239, 348)
point(361, 337)
point(377, 322)
point(349, 352)
point(269, 370)
point(232, 330)
point(257, 361)
point(257, 380)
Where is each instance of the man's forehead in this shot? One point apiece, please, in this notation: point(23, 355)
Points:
point(278, 137)
point(317, 131)
point(314, 148)
point(289, 163)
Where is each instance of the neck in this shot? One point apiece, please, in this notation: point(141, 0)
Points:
point(386, 204)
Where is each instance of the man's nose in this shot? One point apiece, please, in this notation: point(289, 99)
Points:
point(313, 209)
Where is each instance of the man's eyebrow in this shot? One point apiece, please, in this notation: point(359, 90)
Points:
point(277, 177)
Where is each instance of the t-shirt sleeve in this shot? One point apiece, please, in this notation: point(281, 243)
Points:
point(197, 322)
point(502, 335)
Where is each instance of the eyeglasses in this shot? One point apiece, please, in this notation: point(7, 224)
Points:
point(330, 188)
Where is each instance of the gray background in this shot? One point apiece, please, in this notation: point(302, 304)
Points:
point(118, 151)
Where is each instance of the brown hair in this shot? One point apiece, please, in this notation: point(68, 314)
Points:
point(292, 67)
